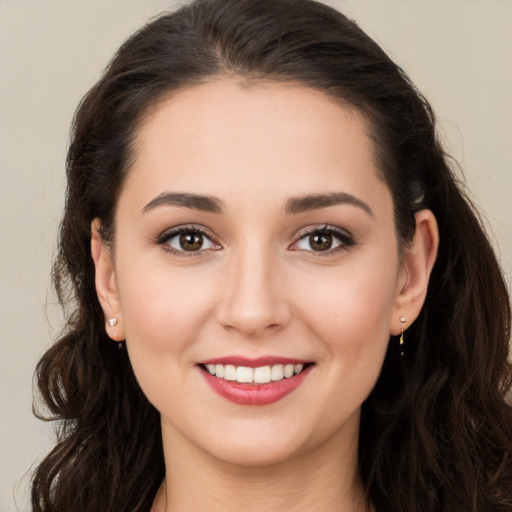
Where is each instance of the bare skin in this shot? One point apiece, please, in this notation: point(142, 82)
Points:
point(304, 484)
point(258, 284)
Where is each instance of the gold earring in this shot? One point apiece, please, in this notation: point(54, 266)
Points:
point(112, 321)
point(401, 343)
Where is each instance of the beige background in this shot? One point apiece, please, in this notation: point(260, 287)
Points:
point(458, 53)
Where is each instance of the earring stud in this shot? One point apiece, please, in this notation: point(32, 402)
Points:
point(112, 321)
point(402, 319)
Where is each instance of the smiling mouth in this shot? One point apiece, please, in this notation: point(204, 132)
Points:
point(258, 375)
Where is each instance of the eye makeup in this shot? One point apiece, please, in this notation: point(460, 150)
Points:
point(193, 240)
point(187, 240)
point(324, 241)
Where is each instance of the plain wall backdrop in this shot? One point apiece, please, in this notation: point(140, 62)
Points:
point(458, 53)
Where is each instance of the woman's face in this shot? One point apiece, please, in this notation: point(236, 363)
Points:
point(254, 231)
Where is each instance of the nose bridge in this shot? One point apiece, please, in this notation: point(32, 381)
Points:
point(253, 300)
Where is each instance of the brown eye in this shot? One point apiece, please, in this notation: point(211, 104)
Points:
point(320, 241)
point(328, 240)
point(188, 240)
point(191, 241)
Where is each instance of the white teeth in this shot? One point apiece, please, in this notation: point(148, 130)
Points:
point(244, 374)
point(289, 370)
point(277, 372)
point(262, 375)
point(259, 375)
point(230, 372)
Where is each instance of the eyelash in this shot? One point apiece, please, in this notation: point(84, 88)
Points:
point(165, 237)
point(346, 240)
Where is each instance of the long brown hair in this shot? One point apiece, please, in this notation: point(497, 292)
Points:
point(436, 432)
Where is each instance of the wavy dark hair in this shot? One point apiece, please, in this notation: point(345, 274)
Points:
point(436, 432)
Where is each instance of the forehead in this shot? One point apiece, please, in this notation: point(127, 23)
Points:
point(227, 136)
point(209, 112)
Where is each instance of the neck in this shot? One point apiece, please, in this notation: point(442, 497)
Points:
point(324, 479)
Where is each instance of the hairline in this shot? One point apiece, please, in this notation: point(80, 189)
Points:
point(245, 81)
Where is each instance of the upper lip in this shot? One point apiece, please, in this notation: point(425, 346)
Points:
point(254, 363)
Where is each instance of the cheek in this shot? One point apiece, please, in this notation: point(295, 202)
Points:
point(164, 312)
point(350, 320)
point(349, 315)
point(163, 307)
point(163, 322)
point(350, 302)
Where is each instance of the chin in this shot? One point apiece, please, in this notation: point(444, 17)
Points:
point(258, 453)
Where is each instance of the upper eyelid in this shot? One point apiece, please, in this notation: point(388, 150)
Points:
point(171, 232)
point(167, 235)
point(344, 236)
point(323, 228)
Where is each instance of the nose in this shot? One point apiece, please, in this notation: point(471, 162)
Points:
point(253, 297)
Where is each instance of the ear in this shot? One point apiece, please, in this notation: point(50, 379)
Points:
point(106, 285)
point(418, 262)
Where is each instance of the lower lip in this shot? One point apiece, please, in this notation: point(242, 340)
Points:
point(255, 394)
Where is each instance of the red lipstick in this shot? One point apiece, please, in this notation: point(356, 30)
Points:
point(254, 393)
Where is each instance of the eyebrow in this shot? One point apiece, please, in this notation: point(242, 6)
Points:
point(293, 206)
point(193, 201)
point(318, 201)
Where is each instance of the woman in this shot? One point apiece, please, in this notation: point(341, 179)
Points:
point(282, 298)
